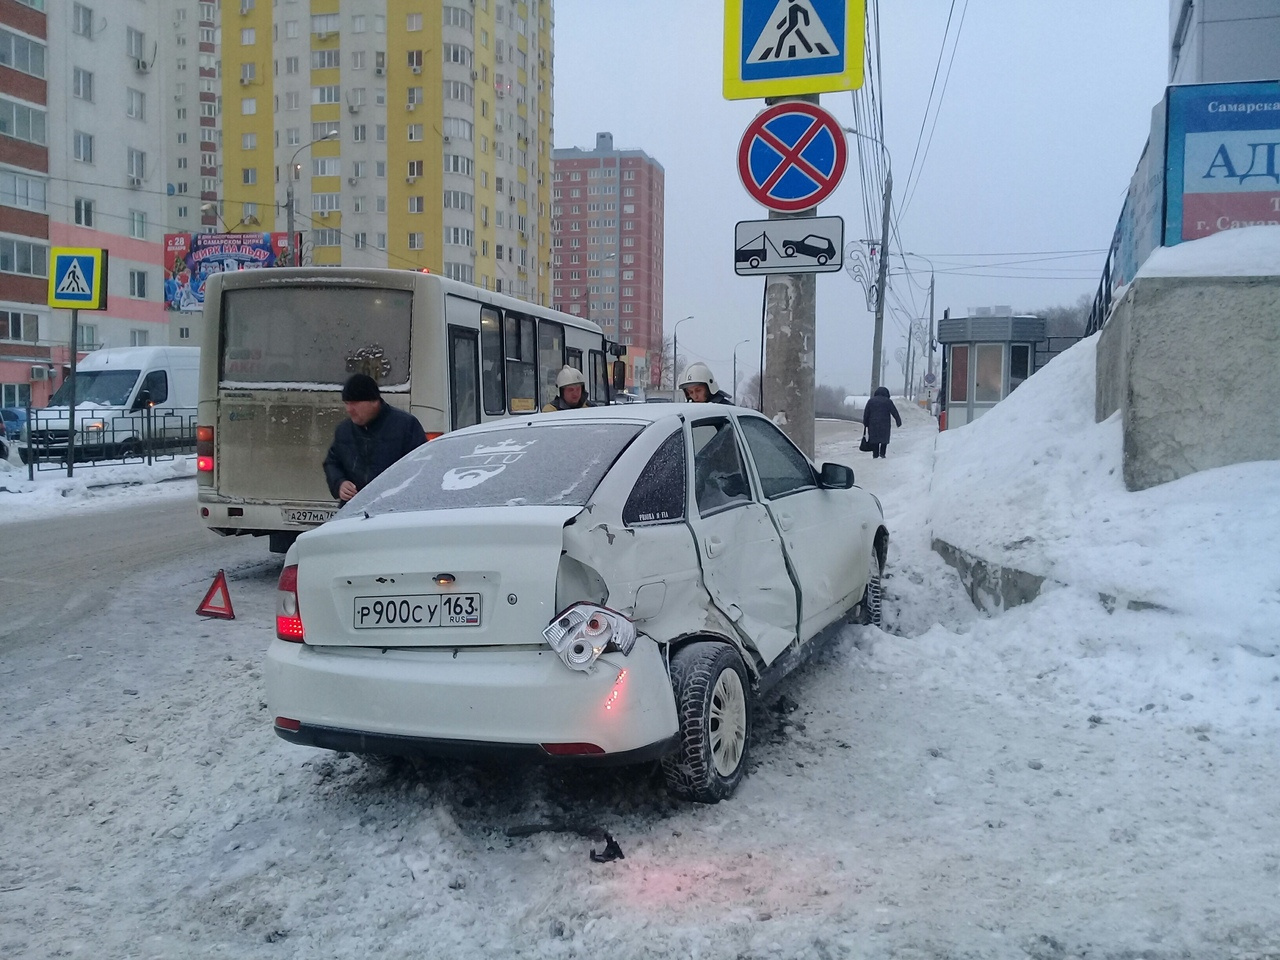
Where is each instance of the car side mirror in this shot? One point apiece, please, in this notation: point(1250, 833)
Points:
point(619, 375)
point(836, 476)
point(143, 400)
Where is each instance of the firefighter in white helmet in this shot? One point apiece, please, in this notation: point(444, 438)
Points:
point(699, 385)
point(572, 387)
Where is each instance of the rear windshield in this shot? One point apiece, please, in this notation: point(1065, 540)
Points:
point(523, 466)
point(315, 336)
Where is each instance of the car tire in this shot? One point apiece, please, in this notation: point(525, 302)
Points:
point(713, 704)
point(822, 259)
point(788, 251)
point(869, 607)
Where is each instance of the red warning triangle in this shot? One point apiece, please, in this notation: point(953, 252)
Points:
point(217, 602)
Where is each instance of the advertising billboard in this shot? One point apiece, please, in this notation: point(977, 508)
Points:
point(1221, 166)
point(190, 258)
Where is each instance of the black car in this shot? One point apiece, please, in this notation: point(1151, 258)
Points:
point(820, 248)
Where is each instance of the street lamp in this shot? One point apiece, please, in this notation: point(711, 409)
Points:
point(293, 260)
point(735, 366)
point(878, 338)
point(675, 354)
point(249, 221)
point(930, 345)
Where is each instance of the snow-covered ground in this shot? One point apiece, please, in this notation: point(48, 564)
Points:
point(1053, 781)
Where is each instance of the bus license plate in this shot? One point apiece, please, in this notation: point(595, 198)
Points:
point(308, 516)
point(417, 610)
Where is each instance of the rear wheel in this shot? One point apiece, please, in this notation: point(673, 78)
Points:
point(714, 707)
point(869, 607)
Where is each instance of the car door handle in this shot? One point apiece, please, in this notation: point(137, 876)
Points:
point(785, 520)
point(713, 545)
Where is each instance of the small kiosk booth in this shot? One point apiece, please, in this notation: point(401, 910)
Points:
point(984, 357)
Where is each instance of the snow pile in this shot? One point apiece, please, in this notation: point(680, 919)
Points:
point(1244, 252)
point(53, 493)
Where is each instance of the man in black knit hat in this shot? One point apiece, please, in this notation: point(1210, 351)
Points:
point(373, 437)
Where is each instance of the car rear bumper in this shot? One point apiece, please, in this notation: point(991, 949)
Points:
point(501, 702)
point(229, 516)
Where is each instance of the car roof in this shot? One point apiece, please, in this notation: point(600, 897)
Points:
point(642, 414)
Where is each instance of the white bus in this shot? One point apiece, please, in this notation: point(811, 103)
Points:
point(279, 343)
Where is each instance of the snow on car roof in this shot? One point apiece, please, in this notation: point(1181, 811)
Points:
point(615, 413)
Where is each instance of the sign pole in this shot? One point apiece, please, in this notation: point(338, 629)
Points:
point(790, 325)
point(877, 340)
point(71, 404)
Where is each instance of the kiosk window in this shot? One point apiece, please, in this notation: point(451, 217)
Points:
point(958, 374)
point(1019, 364)
point(988, 383)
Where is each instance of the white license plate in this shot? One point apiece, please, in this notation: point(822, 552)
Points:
point(311, 515)
point(417, 610)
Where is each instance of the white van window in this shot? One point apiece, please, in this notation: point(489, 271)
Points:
point(156, 388)
point(108, 388)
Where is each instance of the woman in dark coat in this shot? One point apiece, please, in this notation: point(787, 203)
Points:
point(875, 417)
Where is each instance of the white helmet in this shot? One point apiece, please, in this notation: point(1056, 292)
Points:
point(699, 373)
point(568, 376)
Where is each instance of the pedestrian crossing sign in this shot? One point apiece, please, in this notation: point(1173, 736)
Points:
point(781, 48)
point(78, 278)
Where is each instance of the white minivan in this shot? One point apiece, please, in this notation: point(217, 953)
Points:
point(128, 400)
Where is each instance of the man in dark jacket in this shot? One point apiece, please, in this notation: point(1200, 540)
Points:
point(875, 418)
point(373, 437)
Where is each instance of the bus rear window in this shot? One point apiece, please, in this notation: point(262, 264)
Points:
point(315, 335)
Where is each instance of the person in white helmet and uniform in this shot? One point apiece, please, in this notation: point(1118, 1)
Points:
point(572, 387)
point(699, 385)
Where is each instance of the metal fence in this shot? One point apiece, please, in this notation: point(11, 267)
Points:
point(105, 437)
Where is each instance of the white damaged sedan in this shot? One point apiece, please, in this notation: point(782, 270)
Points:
point(606, 585)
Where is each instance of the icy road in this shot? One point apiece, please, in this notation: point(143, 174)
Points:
point(1049, 782)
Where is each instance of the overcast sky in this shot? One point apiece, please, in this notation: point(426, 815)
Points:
point(1044, 116)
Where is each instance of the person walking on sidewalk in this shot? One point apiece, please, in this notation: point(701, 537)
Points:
point(875, 417)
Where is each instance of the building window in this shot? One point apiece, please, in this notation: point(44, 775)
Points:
point(292, 65)
point(137, 160)
point(19, 326)
point(417, 204)
point(249, 176)
point(292, 99)
point(84, 212)
point(326, 167)
point(414, 168)
point(416, 241)
point(413, 22)
point(135, 43)
point(138, 287)
point(326, 93)
point(380, 241)
point(184, 333)
point(360, 241)
point(82, 146)
point(81, 84)
point(20, 190)
point(82, 20)
point(325, 202)
point(326, 237)
point(137, 338)
point(22, 122)
point(415, 131)
point(248, 141)
point(324, 59)
point(248, 37)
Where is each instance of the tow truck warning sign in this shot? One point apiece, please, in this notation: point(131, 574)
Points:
point(801, 245)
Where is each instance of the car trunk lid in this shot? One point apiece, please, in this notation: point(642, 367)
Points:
point(446, 578)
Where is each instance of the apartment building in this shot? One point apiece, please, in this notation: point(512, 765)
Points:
point(401, 133)
point(80, 166)
point(607, 250)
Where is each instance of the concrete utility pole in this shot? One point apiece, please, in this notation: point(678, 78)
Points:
point(786, 382)
point(877, 340)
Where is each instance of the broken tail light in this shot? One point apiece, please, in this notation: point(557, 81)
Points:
point(583, 631)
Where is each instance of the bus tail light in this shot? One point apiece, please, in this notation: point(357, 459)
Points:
point(204, 449)
point(288, 616)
